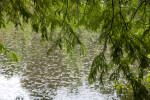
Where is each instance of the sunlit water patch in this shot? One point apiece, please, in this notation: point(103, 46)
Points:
point(10, 89)
point(83, 92)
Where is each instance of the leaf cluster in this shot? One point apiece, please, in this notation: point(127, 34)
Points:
point(123, 25)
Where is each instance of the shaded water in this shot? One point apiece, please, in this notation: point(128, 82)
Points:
point(42, 77)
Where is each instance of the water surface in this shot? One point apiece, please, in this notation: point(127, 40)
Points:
point(47, 77)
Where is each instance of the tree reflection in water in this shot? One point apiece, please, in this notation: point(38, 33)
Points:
point(44, 77)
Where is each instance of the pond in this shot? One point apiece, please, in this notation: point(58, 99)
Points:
point(39, 76)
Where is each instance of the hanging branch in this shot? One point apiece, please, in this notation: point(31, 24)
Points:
point(132, 17)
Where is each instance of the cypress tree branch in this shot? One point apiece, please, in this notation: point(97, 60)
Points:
point(132, 17)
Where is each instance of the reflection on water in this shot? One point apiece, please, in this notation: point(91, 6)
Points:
point(85, 92)
point(11, 88)
point(42, 77)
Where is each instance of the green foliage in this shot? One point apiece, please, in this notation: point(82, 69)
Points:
point(10, 54)
point(123, 25)
point(147, 81)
